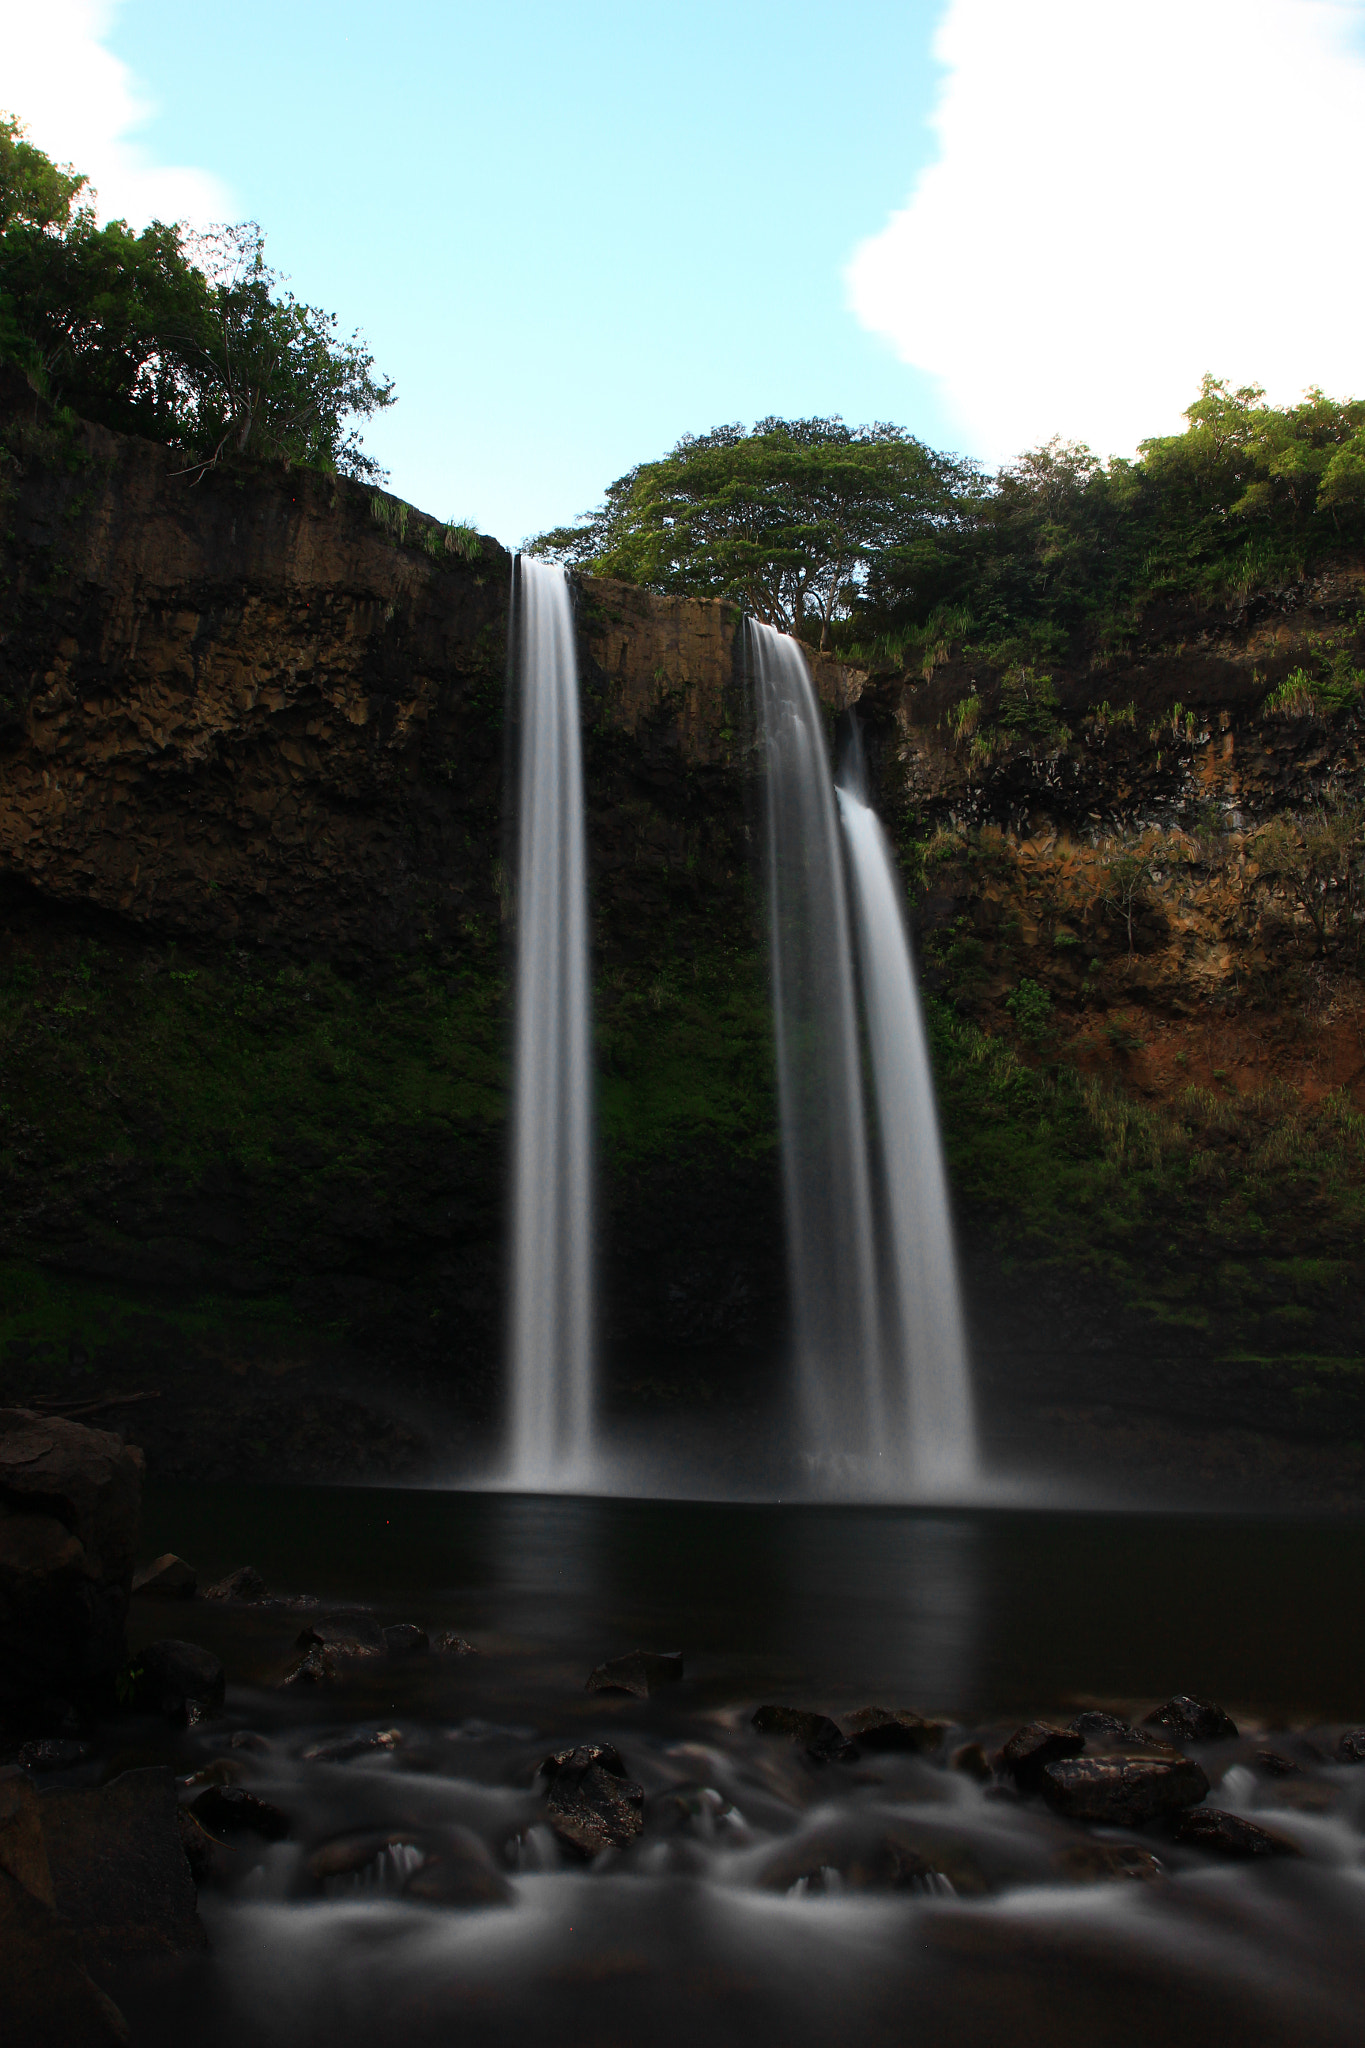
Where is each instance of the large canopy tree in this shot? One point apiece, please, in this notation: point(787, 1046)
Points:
point(786, 517)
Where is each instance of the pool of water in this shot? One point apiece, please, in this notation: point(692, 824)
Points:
point(739, 1911)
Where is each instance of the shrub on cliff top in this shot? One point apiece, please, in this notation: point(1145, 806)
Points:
point(189, 339)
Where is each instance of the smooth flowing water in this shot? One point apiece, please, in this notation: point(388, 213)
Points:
point(930, 1425)
point(827, 1186)
point(768, 1896)
point(551, 1309)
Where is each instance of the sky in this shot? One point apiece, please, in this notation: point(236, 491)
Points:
point(573, 234)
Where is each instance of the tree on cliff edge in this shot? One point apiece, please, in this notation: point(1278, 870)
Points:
point(188, 339)
point(785, 518)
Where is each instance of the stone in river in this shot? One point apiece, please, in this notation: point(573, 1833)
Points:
point(1032, 1748)
point(819, 1736)
point(451, 1645)
point(48, 2000)
point(1106, 1729)
point(1192, 1720)
point(345, 1635)
point(1122, 1791)
point(69, 1505)
point(972, 1760)
point(245, 1584)
point(405, 1639)
point(591, 1804)
point(209, 1861)
point(862, 1856)
point(1351, 1748)
point(459, 1872)
point(229, 1810)
point(1227, 1834)
point(169, 1578)
point(339, 1749)
point(54, 1753)
point(1101, 1862)
point(893, 1728)
point(176, 1674)
point(315, 1667)
point(640, 1672)
point(119, 1871)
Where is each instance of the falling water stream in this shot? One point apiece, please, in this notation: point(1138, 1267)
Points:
point(882, 1372)
point(551, 1320)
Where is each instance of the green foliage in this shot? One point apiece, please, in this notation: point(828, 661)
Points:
point(1031, 1008)
point(785, 518)
point(187, 339)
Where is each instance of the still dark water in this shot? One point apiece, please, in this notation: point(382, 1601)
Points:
point(981, 1617)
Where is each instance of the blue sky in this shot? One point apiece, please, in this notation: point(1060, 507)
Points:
point(570, 234)
point(573, 234)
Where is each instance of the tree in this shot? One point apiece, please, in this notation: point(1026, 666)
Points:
point(787, 517)
point(188, 339)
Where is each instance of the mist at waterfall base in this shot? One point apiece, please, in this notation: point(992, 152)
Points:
point(550, 1337)
point(883, 1387)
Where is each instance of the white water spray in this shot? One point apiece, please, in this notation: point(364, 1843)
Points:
point(929, 1385)
point(551, 1324)
point(883, 1385)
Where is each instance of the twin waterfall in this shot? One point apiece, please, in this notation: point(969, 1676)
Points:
point(881, 1359)
point(883, 1393)
point(551, 1322)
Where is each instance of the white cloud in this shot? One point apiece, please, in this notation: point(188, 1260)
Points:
point(81, 105)
point(1130, 193)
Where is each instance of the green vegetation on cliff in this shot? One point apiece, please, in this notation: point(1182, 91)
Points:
point(899, 552)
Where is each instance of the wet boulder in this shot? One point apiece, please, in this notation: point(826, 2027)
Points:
point(1191, 1720)
point(862, 1855)
point(345, 1635)
point(231, 1810)
point(1104, 1862)
point(821, 1738)
point(174, 1676)
point(354, 1742)
point(167, 1578)
point(315, 1667)
point(70, 1499)
point(119, 1871)
point(451, 1645)
point(894, 1728)
point(48, 1999)
point(458, 1871)
point(1227, 1834)
point(53, 1753)
point(972, 1760)
point(1032, 1748)
point(245, 1584)
point(590, 1803)
point(1123, 1790)
point(1351, 1748)
point(1100, 1730)
point(640, 1672)
point(405, 1639)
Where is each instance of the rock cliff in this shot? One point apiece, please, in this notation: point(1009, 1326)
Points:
point(253, 1008)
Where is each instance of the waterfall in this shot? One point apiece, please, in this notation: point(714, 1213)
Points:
point(551, 1319)
point(827, 1184)
point(930, 1395)
point(884, 1399)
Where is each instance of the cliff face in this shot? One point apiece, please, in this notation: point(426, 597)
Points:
point(254, 1000)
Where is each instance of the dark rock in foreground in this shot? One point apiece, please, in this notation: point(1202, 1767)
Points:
point(119, 1871)
point(245, 1584)
point(893, 1728)
point(345, 1635)
point(818, 1735)
point(591, 1804)
point(1102, 1862)
point(167, 1578)
point(48, 2000)
point(1123, 1791)
point(178, 1675)
point(405, 1639)
point(69, 1504)
point(1227, 1834)
point(1191, 1720)
point(228, 1810)
point(640, 1672)
point(1032, 1748)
